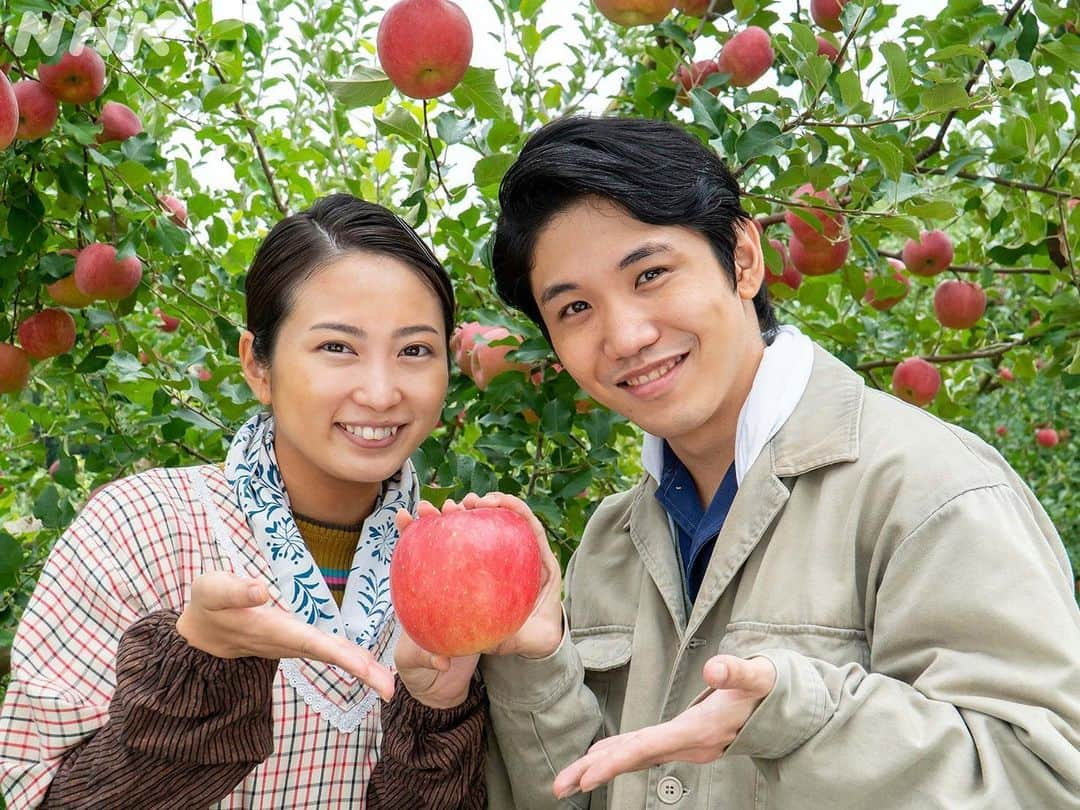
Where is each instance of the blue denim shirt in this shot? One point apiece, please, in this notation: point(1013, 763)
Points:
point(697, 528)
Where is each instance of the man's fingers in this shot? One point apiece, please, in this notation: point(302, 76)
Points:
point(402, 519)
point(220, 590)
point(755, 676)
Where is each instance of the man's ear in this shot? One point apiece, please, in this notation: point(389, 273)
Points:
point(749, 260)
point(256, 374)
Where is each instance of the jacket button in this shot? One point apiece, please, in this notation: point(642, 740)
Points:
point(669, 789)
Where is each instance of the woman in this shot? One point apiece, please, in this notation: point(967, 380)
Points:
point(220, 634)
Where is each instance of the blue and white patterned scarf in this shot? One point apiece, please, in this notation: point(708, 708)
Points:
point(252, 471)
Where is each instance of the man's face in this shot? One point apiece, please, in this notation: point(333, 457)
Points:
point(646, 320)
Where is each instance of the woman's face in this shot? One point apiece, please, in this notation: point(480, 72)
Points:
point(357, 376)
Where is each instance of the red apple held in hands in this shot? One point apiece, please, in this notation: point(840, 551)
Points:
point(9, 112)
point(831, 224)
point(424, 46)
point(38, 110)
point(829, 50)
point(747, 56)
point(47, 333)
point(886, 303)
point(78, 78)
point(930, 255)
point(465, 581)
point(176, 209)
point(67, 294)
point(488, 362)
point(959, 304)
point(916, 381)
point(693, 76)
point(635, 12)
point(168, 322)
point(118, 122)
point(826, 13)
point(788, 274)
point(99, 274)
point(14, 368)
point(1047, 437)
point(818, 258)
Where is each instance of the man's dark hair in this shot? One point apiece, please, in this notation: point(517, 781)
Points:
point(656, 171)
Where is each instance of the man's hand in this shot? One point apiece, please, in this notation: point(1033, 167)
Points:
point(543, 630)
point(700, 734)
point(231, 617)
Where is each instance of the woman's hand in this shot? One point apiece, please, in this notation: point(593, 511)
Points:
point(232, 617)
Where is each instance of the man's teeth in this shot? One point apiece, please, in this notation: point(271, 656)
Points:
point(371, 433)
point(655, 374)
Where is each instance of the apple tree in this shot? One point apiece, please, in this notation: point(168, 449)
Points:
point(912, 172)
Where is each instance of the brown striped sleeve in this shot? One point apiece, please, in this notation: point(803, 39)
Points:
point(185, 727)
point(431, 759)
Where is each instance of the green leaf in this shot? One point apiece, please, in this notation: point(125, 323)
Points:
point(479, 91)
point(490, 170)
point(400, 122)
point(220, 95)
point(365, 88)
point(1020, 70)
point(896, 60)
point(226, 29)
point(946, 96)
point(452, 129)
point(11, 560)
point(763, 138)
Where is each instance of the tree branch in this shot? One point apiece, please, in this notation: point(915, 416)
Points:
point(245, 119)
point(1003, 181)
point(996, 350)
point(939, 139)
point(970, 268)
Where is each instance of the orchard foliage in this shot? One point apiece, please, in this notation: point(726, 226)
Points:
point(963, 120)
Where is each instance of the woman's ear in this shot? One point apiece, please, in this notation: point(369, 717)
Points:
point(749, 260)
point(256, 374)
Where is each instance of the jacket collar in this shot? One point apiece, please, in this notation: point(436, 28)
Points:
point(824, 427)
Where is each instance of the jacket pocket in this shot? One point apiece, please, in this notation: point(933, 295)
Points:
point(605, 653)
point(836, 645)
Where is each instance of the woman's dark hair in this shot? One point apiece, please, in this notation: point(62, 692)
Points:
point(299, 245)
point(656, 171)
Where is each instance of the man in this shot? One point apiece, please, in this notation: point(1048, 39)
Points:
point(818, 596)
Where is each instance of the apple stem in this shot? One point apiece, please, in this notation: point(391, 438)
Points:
point(434, 157)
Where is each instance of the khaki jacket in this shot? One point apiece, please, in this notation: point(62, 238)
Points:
point(912, 594)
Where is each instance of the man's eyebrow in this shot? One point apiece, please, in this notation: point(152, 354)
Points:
point(555, 290)
point(357, 332)
point(643, 252)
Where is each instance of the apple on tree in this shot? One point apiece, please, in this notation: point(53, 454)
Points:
point(462, 582)
point(77, 78)
point(462, 343)
point(47, 333)
point(635, 12)
point(826, 13)
point(1047, 437)
point(692, 76)
point(169, 323)
point(118, 122)
point(100, 275)
point(916, 381)
point(424, 46)
point(788, 274)
point(488, 361)
point(38, 110)
point(698, 8)
point(959, 304)
point(747, 56)
point(931, 254)
point(175, 208)
point(14, 368)
point(827, 48)
point(888, 302)
point(9, 113)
